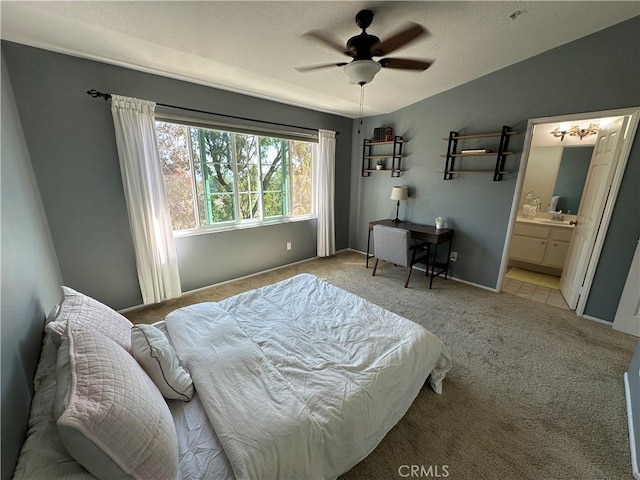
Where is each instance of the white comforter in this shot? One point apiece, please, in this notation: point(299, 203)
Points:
point(301, 379)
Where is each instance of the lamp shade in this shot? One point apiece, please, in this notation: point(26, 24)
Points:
point(399, 193)
point(362, 71)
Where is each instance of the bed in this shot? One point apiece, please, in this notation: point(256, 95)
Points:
point(299, 379)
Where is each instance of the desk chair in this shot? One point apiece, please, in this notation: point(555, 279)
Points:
point(392, 244)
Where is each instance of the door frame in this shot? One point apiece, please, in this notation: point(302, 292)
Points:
point(634, 114)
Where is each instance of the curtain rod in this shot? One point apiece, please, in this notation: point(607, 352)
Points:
point(107, 96)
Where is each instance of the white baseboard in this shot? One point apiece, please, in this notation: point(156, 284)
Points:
point(484, 287)
point(251, 275)
point(632, 438)
point(128, 309)
point(135, 307)
point(449, 277)
point(597, 320)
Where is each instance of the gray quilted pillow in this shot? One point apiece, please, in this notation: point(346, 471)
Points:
point(92, 315)
point(111, 417)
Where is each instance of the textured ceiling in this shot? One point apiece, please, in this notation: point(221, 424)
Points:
point(254, 47)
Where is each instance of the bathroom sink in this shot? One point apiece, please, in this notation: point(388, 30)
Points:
point(546, 221)
point(552, 222)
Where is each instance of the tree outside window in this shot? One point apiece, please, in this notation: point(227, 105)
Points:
point(214, 177)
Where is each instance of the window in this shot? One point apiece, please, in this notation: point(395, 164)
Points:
point(214, 177)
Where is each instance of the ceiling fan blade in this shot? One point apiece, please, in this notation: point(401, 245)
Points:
point(400, 39)
point(328, 41)
point(318, 67)
point(404, 63)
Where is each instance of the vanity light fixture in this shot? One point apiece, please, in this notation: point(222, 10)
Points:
point(576, 131)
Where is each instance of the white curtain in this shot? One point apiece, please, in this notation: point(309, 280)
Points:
point(323, 179)
point(156, 260)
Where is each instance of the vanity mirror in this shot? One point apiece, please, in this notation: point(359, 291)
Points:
point(572, 173)
point(557, 171)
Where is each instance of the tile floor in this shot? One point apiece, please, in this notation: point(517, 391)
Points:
point(550, 296)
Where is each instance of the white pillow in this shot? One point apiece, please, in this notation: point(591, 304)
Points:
point(111, 417)
point(92, 315)
point(53, 314)
point(152, 350)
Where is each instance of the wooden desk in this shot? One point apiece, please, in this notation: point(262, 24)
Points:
point(426, 233)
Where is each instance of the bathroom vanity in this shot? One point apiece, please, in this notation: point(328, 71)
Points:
point(541, 242)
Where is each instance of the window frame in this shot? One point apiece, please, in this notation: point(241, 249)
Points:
point(238, 223)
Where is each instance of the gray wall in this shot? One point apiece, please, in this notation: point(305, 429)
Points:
point(73, 150)
point(574, 166)
point(202, 256)
point(606, 63)
point(30, 279)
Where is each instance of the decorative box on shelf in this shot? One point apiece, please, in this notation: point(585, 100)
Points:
point(382, 134)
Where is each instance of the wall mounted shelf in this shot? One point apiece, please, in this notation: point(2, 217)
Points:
point(501, 154)
point(395, 155)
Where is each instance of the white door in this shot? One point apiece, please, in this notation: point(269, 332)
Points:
point(596, 190)
point(628, 315)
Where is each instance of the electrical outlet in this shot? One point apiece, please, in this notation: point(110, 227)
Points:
point(454, 256)
point(288, 245)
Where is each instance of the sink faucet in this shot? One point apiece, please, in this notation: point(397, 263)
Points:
point(557, 216)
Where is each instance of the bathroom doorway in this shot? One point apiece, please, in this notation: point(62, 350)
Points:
point(553, 169)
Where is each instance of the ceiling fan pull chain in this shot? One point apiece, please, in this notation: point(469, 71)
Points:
point(361, 106)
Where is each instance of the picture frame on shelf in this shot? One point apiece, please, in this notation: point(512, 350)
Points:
point(388, 134)
point(382, 134)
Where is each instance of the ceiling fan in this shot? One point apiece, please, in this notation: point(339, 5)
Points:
point(364, 46)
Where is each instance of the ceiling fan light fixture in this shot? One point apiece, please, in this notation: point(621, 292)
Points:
point(361, 72)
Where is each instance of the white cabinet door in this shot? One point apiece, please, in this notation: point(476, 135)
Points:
point(556, 253)
point(527, 249)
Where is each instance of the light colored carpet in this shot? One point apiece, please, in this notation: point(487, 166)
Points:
point(534, 277)
point(534, 392)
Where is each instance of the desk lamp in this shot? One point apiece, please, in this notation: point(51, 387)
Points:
point(399, 193)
